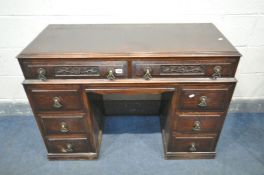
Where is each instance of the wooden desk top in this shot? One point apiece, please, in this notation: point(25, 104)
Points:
point(129, 40)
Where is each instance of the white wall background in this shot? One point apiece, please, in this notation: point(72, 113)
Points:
point(241, 21)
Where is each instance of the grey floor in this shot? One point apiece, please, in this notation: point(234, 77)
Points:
point(132, 145)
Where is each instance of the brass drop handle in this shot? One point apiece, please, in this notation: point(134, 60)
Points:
point(192, 148)
point(42, 74)
point(217, 72)
point(203, 101)
point(68, 149)
point(147, 75)
point(196, 126)
point(110, 75)
point(57, 103)
point(64, 127)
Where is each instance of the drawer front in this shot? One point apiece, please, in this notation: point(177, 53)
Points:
point(192, 144)
point(198, 123)
point(68, 145)
point(66, 124)
point(57, 98)
point(186, 68)
point(73, 69)
point(205, 98)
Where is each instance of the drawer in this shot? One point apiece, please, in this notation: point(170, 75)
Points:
point(73, 69)
point(55, 98)
point(63, 124)
point(68, 145)
point(205, 98)
point(198, 123)
point(192, 144)
point(186, 68)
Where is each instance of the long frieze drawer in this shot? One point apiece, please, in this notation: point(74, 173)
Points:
point(192, 144)
point(73, 69)
point(63, 124)
point(205, 97)
point(68, 145)
point(198, 123)
point(186, 68)
point(55, 98)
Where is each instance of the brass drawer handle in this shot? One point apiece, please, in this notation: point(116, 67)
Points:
point(110, 75)
point(68, 149)
point(147, 75)
point(64, 127)
point(196, 126)
point(192, 148)
point(57, 102)
point(217, 72)
point(203, 102)
point(42, 74)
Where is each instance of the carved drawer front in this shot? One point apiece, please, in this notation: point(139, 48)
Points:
point(192, 144)
point(186, 68)
point(205, 98)
point(64, 124)
point(73, 69)
point(55, 98)
point(198, 123)
point(68, 145)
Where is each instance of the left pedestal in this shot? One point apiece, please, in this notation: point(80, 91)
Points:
point(66, 122)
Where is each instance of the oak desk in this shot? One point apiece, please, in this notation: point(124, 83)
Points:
point(70, 71)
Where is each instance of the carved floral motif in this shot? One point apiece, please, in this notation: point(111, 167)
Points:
point(78, 70)
point(182, 69)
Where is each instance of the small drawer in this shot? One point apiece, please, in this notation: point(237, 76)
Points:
point(192, 144)
point(73, 69)
point(68, 145)
point(198, 123)
point(64, 124)
point(55, 98)
point(186, 68)
point(205, 98)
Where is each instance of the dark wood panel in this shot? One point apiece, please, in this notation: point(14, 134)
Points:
point(205, 98)
point(223, 67)
point(198, 123)
point(81, 69)
point(63, 124)
point(192, 144)
point(132, 107)
point(68, 145)
point(62, 98)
